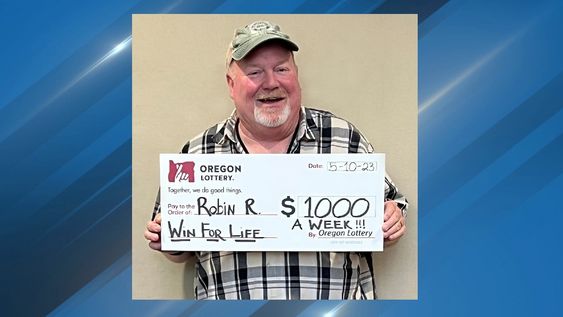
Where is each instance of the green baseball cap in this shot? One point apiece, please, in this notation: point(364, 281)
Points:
point(254, 34)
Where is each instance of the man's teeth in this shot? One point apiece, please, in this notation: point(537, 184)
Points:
point(270, 99)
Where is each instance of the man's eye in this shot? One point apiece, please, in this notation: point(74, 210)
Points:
point(254, 73)
point(283, 69)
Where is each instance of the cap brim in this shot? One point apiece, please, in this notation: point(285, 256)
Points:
point(245, 48)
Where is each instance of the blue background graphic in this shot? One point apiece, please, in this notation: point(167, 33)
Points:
point(490, 158)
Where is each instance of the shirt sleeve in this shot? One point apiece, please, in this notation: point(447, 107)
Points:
point(393, 193)
point(156, 209)
point(391, 190)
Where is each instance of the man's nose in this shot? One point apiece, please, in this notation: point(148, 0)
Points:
point(270, 81)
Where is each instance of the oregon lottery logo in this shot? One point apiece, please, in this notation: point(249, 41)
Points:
point(180, 172)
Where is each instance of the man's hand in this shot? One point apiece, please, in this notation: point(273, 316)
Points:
point(152, 233)
point(393, 222)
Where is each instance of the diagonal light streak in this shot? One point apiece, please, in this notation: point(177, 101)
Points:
point(114, 51)
point(334, 311)
point(88, 200)
point(482, 62)
point(467, 73)
point(171, 7)
point(121, 46)
point(335, 7)
point(107, 214)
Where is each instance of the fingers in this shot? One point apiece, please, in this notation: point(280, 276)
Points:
point(393, 224)
point(393, 220)
point(151, 236)
point(152, 233)
point(155, 245)
point(399, 233)
point(393, 216)
point(389, 208)
point(396, 230)
point(153, 226)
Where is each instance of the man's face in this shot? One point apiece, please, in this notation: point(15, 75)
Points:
point(265, 87)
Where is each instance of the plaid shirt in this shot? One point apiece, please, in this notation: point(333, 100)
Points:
point(287, 275)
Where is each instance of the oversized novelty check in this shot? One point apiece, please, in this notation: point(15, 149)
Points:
point(272, 202)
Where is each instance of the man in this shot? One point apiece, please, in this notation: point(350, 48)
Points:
point(262, 78)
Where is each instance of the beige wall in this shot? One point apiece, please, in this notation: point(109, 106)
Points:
point(360, 67)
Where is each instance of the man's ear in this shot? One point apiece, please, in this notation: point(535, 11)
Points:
point(230, 84)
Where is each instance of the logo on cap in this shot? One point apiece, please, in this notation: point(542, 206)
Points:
point(260, 26)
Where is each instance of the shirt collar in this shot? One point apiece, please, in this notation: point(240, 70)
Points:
point(226, 131)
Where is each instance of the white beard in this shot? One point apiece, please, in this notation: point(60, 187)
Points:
point(271, 119)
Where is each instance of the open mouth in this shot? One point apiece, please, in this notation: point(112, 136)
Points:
point(270, 100)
